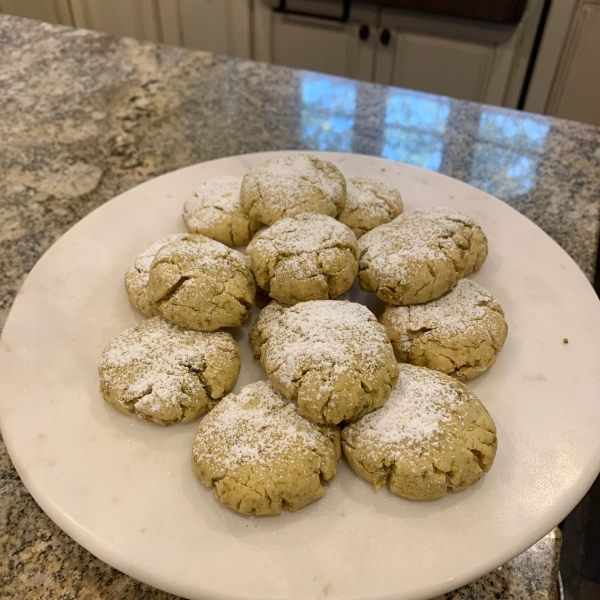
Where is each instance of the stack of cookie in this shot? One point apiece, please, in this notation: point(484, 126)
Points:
point(334, 382)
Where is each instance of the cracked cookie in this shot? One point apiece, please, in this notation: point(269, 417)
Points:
point(287, 186)
point(432, 435)
point(136, 277)
point(331, 357)
point(215, 210)
point(261, 455)
point(369, 203)
point(202, 284)
point(164, 373)
point(306, 257)
point(420, 255)
point(459, 334)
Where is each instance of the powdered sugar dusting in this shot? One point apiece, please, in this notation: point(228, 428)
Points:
point(287, 186)
point(256, 426)
point(307, 232)
point(213, 201)
point(200, 254)
point(369, 203)
point(420, 407)
point(337, 338)
point(156, 367)
point(144, 260)
point(396, 249)
point(457, 313)
point(291, 170)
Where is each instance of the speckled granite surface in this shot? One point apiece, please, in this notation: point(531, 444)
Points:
point(85, 116)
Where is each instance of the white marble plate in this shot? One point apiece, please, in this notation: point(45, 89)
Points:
point(124, 489)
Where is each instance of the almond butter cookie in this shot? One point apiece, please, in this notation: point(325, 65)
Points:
point(163, 373)
point(215, 210)
point(431, 436)
point(306, 257)
point(201, 284)
point(369, 203)
point(287, 186)
point(136, 277)
point(459, 334)
point(331, 357)
point(260, 455)
point(420, 255)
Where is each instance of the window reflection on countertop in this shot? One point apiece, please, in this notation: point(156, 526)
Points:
point(420, 129)
point(415, 125)
point(507, 152)
point(328, 113)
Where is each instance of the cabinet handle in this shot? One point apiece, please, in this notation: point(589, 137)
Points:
point(364, 32)
point(385, 37)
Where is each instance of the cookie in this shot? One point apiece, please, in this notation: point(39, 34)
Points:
point(287, 186)
point(261, 455)
point(369, 203)
point(215, 210)
point(201, 284)
point(331, 357)
point(136, 277)
point(459, 334)
point(306, 257)
point(420, 255)
point(163, 373)
point(431, 436)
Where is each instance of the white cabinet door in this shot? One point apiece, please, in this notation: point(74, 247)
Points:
point(575, 92)
point(51, 11)
point(133, 18)
point(331, 48)
point(446, 56)
point(220, 26)
point(441, 66)
point(301, 44)
point(317, 44)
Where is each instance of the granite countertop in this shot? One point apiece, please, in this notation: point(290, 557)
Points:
point(86, 116)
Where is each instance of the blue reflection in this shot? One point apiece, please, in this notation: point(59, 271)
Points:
point(502, 172)
point(512, 130)
point(417, 149)
point(415, 127)
point(500, 165)
point(415, 111)
point(327, 116)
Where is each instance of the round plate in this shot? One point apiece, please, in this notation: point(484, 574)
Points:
point(124, 489)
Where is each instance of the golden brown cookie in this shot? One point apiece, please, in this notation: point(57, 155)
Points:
point(164, 373)
point(369, 203)
point(459, 334)
point(432, 435)
point(420, 255)
point(331, 357)
point(306, 257)
point(287, 186)
point(261, 455)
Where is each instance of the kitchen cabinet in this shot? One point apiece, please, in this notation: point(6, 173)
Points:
point(575, 91)
point(51, 11)
point(219, 26)
point(440, 55)
point(132, 18)
point(317, 44)
point(471, 60)
point(436, 65)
